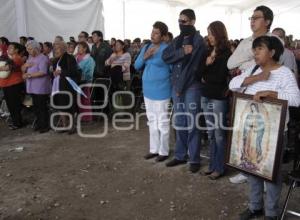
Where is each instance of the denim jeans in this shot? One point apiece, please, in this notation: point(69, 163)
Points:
point(215, 116)
point(186, 108)
point(273, 191)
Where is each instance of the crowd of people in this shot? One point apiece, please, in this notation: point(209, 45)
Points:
point(195, 73)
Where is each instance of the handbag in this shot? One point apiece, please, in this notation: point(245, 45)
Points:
point(3, 74)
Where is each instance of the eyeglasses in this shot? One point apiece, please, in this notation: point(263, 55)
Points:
point(182, 21)
point(254, 18)
point(80, 36)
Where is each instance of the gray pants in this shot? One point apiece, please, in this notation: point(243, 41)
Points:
point(273, 191)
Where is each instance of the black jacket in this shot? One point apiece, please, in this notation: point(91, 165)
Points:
point(215, 77)
point(185, 70)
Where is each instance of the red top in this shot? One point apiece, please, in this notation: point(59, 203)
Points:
point(14, 77)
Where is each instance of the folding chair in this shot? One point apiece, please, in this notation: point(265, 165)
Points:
point(100, 93)
point(137, 89)
point(4, 113)
point(28, 104)
point(294, 176)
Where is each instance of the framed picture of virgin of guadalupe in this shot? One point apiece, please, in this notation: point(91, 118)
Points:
point(256, 135)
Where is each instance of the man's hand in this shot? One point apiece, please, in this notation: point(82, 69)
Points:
point(188, 49)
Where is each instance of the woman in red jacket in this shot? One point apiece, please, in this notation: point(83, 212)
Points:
point(13, 85)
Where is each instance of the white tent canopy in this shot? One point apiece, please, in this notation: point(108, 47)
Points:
point(44, 19)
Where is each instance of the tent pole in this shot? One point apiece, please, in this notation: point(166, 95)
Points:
point(124, 11)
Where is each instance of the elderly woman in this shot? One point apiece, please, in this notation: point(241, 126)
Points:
point(38, 84)
point(13, 85)
point(87, 65)
point(65, 71)
point(157, 92)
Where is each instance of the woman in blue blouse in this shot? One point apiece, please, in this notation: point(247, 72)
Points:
point(87, 65)
point(157, 91)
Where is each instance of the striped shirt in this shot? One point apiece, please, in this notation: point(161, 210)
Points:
point(281, 80)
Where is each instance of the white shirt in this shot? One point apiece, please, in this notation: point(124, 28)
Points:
point(288, 59)
point(281, 80)
point(243, 57)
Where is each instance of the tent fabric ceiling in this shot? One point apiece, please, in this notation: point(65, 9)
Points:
point(239, 4)
point(46, 18)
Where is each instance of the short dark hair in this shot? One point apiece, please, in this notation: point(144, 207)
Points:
point(189, 13)
point(98, 33)
point(85, 46)
point(23, 38)
point(48, 44)
point(4, 40)
point(17, 46)
point(267, 13)
point(137, 40)
point(72, 43)
point(162, 27)
point(272, 43)
point(86, 35)
point(170, 35)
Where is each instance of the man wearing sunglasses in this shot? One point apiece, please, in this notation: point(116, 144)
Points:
point(185, 53)
point(83, 37)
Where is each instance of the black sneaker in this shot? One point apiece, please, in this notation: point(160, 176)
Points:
point(14, 127)
point(150, 156)
point(161, 158)
point(248, 214)
point(270, 218)
point(194, 167)
point(44, 130)
point(175, 162)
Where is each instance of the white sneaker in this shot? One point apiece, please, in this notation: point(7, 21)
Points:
point(5, 114)
point(239, 178)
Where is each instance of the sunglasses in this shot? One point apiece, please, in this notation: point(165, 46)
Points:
point(182, 21)
point(255, 18)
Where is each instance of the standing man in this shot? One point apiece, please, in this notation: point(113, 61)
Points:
point(82, 37)
point(243, 57)
point(101, 51)
point(185, 53)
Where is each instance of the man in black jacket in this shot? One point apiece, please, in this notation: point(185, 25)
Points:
point(101, 51)
point(185, 53)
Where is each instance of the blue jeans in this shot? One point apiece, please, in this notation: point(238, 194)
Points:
point(215, 116)
point(273, 191)
point(186, 108)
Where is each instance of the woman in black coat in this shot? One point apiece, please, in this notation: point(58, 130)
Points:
point(64, 96)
